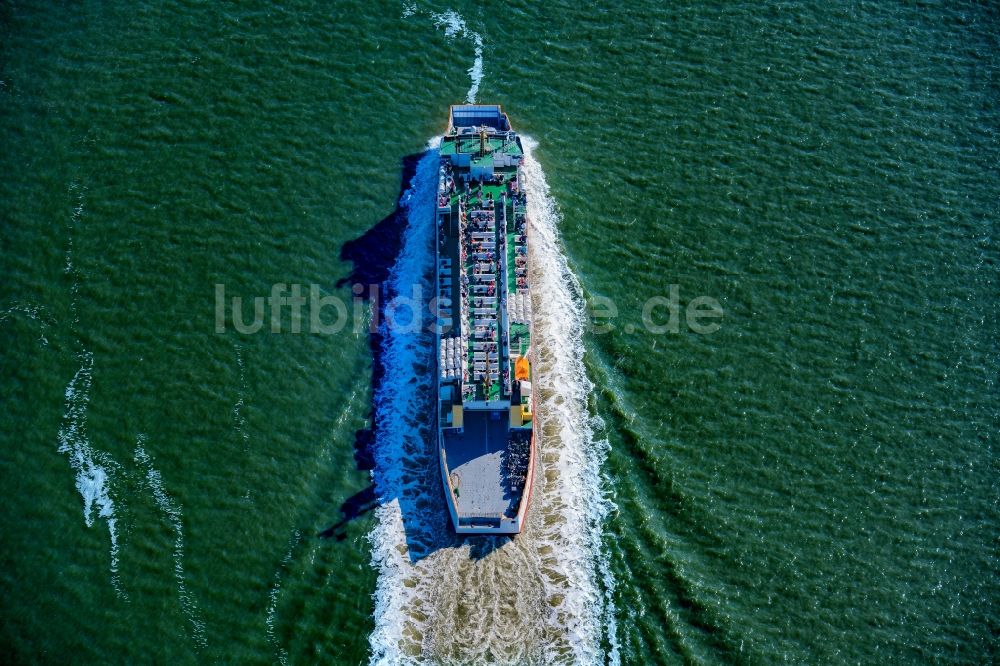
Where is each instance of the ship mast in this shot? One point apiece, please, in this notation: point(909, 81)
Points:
point(482, 140)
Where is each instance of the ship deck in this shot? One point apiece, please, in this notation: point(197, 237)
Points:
point(475, 458)
point(484, 413)
point(485, 200)
point(471, 145)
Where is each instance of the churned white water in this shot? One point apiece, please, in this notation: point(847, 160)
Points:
point(92, 468)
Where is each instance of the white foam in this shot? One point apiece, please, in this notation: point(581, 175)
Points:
point(399, 446)
point(35, 313)
point(69, 269)
point(455, 26)
point(93, 479)
point(476, 71)
point(239, 419)
point(559, 326)
point(172, 510)
point(544, 596)
point(91, 467)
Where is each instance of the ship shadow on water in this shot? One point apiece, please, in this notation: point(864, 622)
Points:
point(372, 255)
point(424, 513)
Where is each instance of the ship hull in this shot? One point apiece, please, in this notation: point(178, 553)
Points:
point(485, 407)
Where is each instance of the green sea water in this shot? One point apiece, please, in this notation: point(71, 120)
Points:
point(815, 482)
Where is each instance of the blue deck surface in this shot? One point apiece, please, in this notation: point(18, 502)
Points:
point(474, 458)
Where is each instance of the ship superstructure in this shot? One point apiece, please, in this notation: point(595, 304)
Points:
point(485, 403)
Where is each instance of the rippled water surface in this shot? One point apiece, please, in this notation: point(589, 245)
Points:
point(814, 482)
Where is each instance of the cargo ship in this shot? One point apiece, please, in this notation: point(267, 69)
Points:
point(485, 405)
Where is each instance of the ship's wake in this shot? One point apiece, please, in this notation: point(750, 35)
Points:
point(172, 511)
point(544, 596)
point(93, 468)
point(455, 26)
